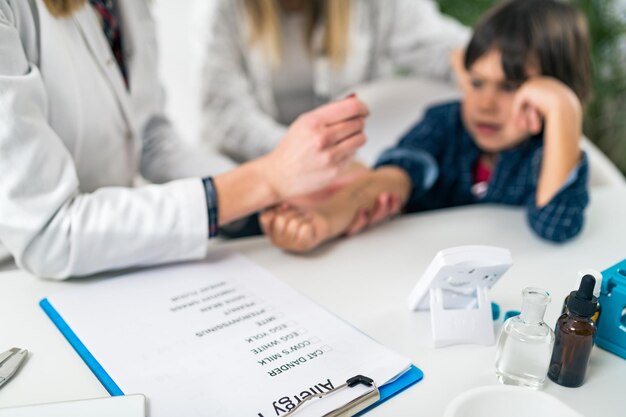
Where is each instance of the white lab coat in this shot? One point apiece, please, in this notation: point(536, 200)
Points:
point(73, 140)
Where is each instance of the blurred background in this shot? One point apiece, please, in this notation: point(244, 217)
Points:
point(605, 123)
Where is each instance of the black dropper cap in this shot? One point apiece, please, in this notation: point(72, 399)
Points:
point(582, 302)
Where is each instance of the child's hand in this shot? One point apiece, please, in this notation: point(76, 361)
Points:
point(542, 98)
point(294, 229)
point(549, 99)
point(301, 229)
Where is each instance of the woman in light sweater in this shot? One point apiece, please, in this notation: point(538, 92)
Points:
point(267, 61)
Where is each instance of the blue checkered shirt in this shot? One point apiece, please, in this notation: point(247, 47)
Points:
point(439, 156)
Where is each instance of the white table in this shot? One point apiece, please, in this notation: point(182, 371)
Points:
point(365, 280)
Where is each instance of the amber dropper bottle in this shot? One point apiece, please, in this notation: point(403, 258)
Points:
point(596, 292)
point(574, 334)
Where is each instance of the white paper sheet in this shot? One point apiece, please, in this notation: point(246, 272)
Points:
point(221, 338)
point(122, 406)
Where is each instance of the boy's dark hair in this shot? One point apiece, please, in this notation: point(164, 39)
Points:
point(548, 33)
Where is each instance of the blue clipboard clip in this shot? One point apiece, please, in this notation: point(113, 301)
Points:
point(358, 404)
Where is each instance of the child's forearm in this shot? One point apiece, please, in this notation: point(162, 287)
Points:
point(561, 149)
point(389, 179)
point(363, 195)
point(301, 230)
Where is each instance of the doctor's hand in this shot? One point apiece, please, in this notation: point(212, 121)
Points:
point(318, 147)
point(355, 171)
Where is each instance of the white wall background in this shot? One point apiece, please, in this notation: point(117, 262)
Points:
point(178, 63)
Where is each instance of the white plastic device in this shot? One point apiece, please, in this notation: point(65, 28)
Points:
point(455, 287)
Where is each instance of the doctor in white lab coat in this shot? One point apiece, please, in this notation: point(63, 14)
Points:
point(74, 137)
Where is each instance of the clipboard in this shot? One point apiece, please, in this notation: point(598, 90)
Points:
point(412, 376)
point(374, 397)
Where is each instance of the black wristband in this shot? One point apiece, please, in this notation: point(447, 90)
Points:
point(211, 205)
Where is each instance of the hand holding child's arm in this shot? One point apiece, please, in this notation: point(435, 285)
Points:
point(561, 111)
point(369, 200)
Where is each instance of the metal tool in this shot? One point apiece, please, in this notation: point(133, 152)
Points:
point(10, 362)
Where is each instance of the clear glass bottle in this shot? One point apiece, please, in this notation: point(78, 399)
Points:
point(525, 343)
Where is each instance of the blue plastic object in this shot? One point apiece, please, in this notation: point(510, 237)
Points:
point(511, 313)
point(611, 334)
point(495, 311)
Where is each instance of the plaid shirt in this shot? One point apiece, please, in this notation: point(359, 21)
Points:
point(439, 156)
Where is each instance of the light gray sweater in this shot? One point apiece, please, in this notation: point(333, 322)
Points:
point(386, 37)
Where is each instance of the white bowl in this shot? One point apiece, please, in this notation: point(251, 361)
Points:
point(507, 401)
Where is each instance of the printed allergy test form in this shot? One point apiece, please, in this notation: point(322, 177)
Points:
point(218, 338)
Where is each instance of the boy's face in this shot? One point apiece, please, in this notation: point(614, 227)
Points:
point(488, 104)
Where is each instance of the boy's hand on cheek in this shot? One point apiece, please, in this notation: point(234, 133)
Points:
point(561, 111)
point(543, 98)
